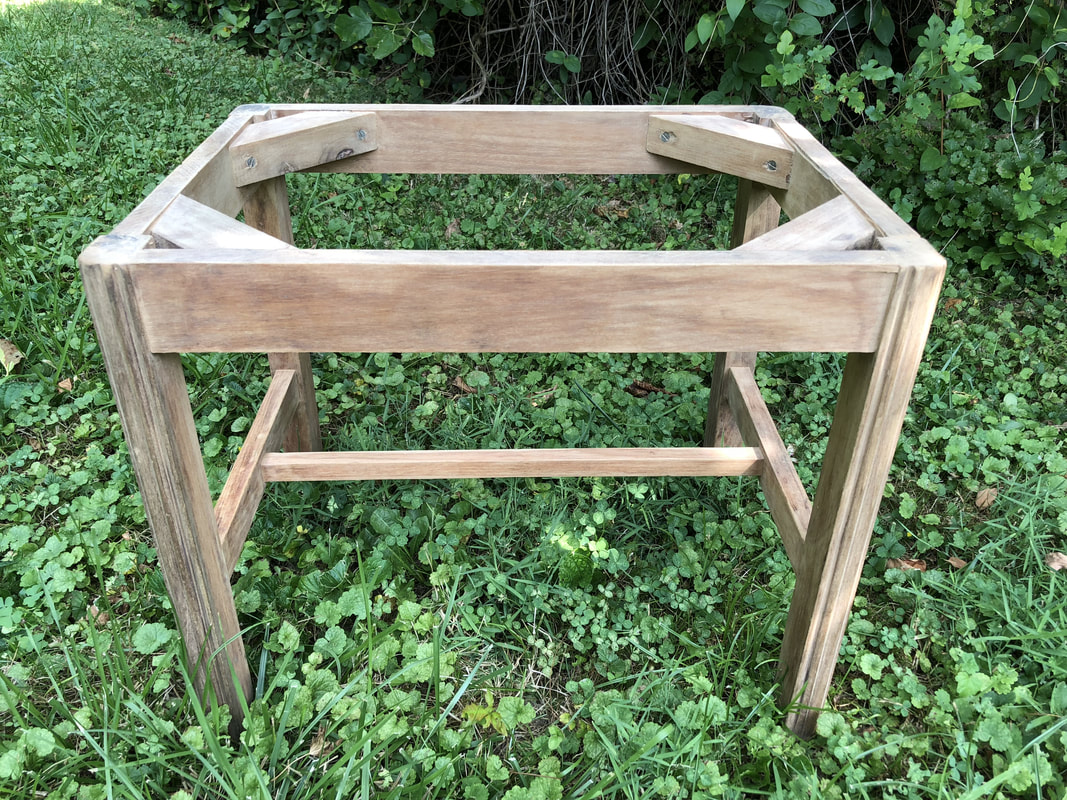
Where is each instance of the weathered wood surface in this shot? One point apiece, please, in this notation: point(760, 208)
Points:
point(755, 213)
point(236, 507)
point(303, 141)
point(786, 497)
point(189, 224)
point(870, 411)
point(515, 139)
point(266, 207)
point(205, 176)
point(463, 301)
point(547, 463)
point(157, 419)
point(836, 225)
point(745, 149)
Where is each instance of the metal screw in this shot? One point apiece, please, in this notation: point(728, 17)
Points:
point(772, 166)
point(666, 136)
point(251, 162)
point(361, 135)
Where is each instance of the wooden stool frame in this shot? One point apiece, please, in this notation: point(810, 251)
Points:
point(181, 275)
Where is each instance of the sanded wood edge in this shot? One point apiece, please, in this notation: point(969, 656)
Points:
point(461, 139)
point(723, 144)
point(304, 141)
point(568, 301)
point(787, 499)
point(836, 225)
point(870, 412)
point(239, 499)
point(205, 176)
point(189, 224)
point(548, 463)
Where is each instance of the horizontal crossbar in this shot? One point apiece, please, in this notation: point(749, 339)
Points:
point(513, 301)
point(546, 463)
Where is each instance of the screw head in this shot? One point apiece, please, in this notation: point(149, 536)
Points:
point(361, 135)
point(772, 166)
point(250, 162)
point(666, 136)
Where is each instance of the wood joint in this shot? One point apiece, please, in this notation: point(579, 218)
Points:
point(724, 144)
point(302, 141)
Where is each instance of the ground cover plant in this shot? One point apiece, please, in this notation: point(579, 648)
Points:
point(480, 639)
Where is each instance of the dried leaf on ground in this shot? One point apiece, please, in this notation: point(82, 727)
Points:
point(452, 229)
point(462, 385)
point(906, 564)
point(958, 563)
point(612, 210)
point(986, 497)
point(65, 385)
point(9, 356)
point(644, 389)
point(952, 302)
point(1056, 561)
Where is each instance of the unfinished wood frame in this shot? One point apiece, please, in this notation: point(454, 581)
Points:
point(180, 274)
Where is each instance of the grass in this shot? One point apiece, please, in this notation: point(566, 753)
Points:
point(438, 639)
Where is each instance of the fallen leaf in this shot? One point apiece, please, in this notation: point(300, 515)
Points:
point(906, 564)
point(318, 743)
point(9, 356)
point(952, 302)
point(1056, 561)
point(65, 385)
point(986, 497)
point(612, 210)
point(99, 617)
point(463, 386)
point(958, 563)
point(452, 229)
point(644, 389)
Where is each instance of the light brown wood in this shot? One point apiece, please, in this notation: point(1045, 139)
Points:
point(843, 274)
point(236, 507)
point(547, 463)
point(863, 438)
point(189, 224)
point(157, 419)
point(786, 497)
point(267, 209)
point(835, 225)
point(462, 301)
point(755, 213)
point(205, 176)
point(720, 429)
point(516, 139)
point(745, 149)
point(303, 141)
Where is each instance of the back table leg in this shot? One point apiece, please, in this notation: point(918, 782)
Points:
point(153, 402)
point(755, 213)
point(266, 207)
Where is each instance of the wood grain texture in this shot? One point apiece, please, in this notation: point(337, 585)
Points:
point(463, 301)
point(205, 176)
point(157, 419)
point(723, 144)
point(266, 206)
point(189, 224)
point(515, 139)
point(863, 438)
point(835, 225)
point(549, 463)
point(755, 213)
point(239, 499)
point(786, 496)
point(303, 141)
